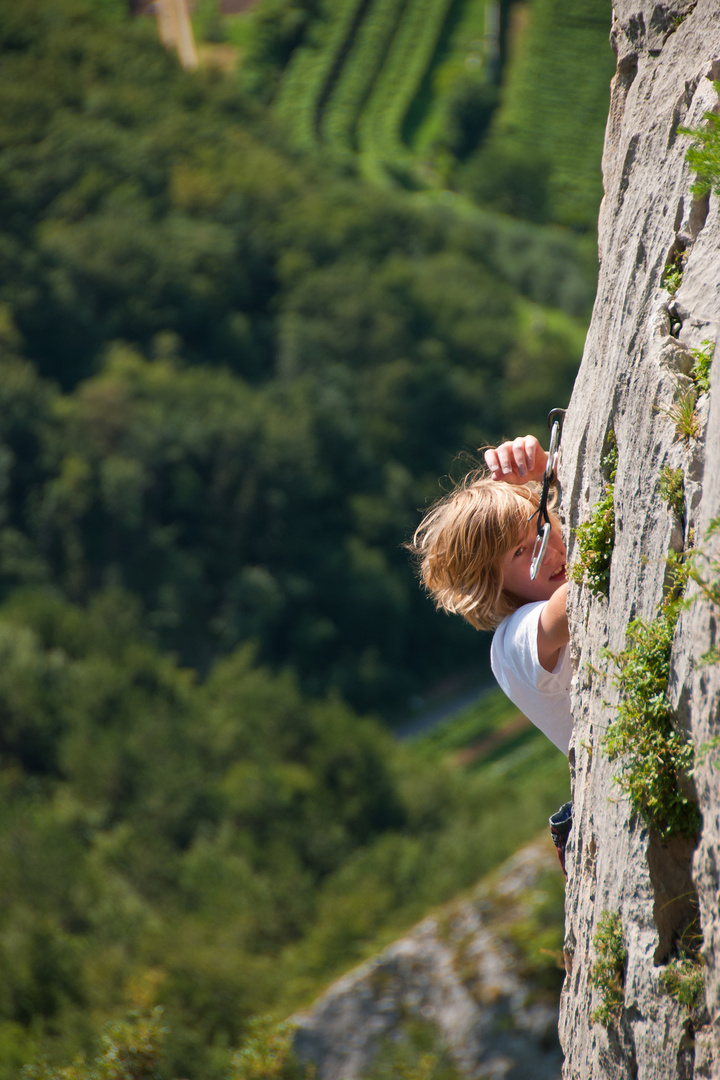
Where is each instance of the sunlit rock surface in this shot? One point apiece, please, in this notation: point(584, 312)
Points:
point(637, 351)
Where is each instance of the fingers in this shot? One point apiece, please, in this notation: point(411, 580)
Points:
point(516, 461)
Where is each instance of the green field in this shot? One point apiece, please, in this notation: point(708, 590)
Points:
point(503, 101)
point(555, 102)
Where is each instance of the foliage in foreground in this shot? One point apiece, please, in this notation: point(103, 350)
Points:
point(267, 1054)
point(134, 1049)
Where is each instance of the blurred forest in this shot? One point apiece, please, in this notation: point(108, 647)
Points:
point(248, 317)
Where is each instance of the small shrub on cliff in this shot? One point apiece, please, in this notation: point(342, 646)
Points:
point(596, 537)
point(684, 980)
point(672, 489)
point(709, 584)
point(655, 757)
point(704, 154)
point(682, 413)
point(672, 277)
point(609, 968)
point(700, 371)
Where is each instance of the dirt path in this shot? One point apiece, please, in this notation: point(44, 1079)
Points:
point(420, 725)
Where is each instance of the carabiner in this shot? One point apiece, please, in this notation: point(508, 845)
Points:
point(553, 451)
point(543, 517)
point(541, 541)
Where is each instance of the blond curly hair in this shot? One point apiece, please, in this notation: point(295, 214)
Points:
point(462, 540)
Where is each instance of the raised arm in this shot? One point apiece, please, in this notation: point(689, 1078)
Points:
point(517, 461)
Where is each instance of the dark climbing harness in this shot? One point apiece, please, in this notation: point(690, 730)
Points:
point(560, 826)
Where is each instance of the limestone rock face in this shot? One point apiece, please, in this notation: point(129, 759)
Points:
point(457, 972)
point(636, 359)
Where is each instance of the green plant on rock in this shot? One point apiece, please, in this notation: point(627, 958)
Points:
point(655, 757)
point(683, 413)
point(709, 658)
point(684, 980)
point(672, 275)
point(704, 154)
point(596, 537)
point(608, 968)
point(700, 371)
point(672, 489)
point(709, 585)
point(710, 748)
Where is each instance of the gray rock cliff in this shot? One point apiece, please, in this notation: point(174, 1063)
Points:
point(636, 359)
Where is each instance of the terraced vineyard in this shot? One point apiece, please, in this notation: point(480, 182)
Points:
point(385, 86)
point(351, 88)
point(313, 70)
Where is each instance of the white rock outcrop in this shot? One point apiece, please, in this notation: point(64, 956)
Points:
point(636, 354)
point(456, 971)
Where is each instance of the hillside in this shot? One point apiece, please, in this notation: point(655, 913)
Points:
point(217, 339)
point(434, 95)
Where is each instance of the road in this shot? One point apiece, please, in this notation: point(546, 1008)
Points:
point(420, 725)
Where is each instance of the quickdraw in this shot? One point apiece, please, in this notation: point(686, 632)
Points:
point(544, 527)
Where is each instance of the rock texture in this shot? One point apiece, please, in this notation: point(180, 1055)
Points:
point(457, 971)
point(636, 353)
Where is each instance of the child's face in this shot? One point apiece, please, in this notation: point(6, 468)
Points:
point(550, 576)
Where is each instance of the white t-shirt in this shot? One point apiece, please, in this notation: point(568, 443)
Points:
point(544, 696)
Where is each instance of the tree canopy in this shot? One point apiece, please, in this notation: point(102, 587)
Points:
point(231, 378)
